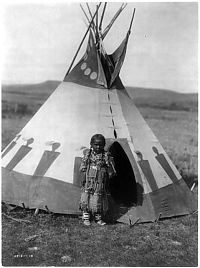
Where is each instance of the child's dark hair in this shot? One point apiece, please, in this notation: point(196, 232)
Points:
point(97, 137)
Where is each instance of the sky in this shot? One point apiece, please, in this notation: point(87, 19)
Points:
point(40, 40)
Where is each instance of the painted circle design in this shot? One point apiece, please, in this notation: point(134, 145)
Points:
point(87, 71)
point(83, 66)
point(93, 75)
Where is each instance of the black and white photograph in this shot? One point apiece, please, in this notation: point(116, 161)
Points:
point(99, 134)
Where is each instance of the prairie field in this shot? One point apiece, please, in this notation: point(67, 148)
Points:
point(48, 239)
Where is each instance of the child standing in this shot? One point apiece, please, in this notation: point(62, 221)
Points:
point(96, 168)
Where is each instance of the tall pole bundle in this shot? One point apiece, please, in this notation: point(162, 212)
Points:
point(83, 40)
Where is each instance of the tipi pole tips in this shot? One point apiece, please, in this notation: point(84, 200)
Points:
point(82, 40)
point(85, 13)
point(104, 8)
point(106, 30)
point(131, 20)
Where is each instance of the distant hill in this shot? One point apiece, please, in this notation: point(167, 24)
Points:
point(46, 86)
point(142, 97)
point(163, 99)
point(29, 92)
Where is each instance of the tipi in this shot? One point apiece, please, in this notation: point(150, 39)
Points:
point(40, 167)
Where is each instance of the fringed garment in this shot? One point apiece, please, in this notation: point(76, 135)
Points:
point(96, 170)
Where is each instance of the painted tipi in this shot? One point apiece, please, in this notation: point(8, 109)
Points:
point(40, 167)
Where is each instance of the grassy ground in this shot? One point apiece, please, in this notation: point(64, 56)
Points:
point(57, 240)
point(64, 241)
point(178, 133)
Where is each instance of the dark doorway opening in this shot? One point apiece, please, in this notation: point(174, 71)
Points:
point(123, 187)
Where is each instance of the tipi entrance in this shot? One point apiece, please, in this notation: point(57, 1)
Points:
point(123, 187)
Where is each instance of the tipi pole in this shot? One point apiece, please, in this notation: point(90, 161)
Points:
point(131, 20)
point(82, 41)
point(97, 21)
point(107, 29)
point(93, 24)
point(97, 30)
point(89, 9)
point(85, 13)
point(104, 8)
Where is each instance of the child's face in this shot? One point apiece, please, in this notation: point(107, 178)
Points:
point(98, 146)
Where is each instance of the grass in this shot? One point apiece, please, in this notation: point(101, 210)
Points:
point(57, 240)
point(178, 133)
point(11, 126)
point(65, 241)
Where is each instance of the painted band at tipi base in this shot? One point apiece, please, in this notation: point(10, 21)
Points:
point(40, 167)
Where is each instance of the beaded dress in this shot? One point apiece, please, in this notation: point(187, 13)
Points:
point(96, 169)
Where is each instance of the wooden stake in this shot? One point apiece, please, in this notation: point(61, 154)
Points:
point(158, 217)
point(133, 224)
point(36, 211)
point(193, 185)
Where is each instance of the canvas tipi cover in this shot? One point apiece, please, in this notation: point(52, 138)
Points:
point(40, 167)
